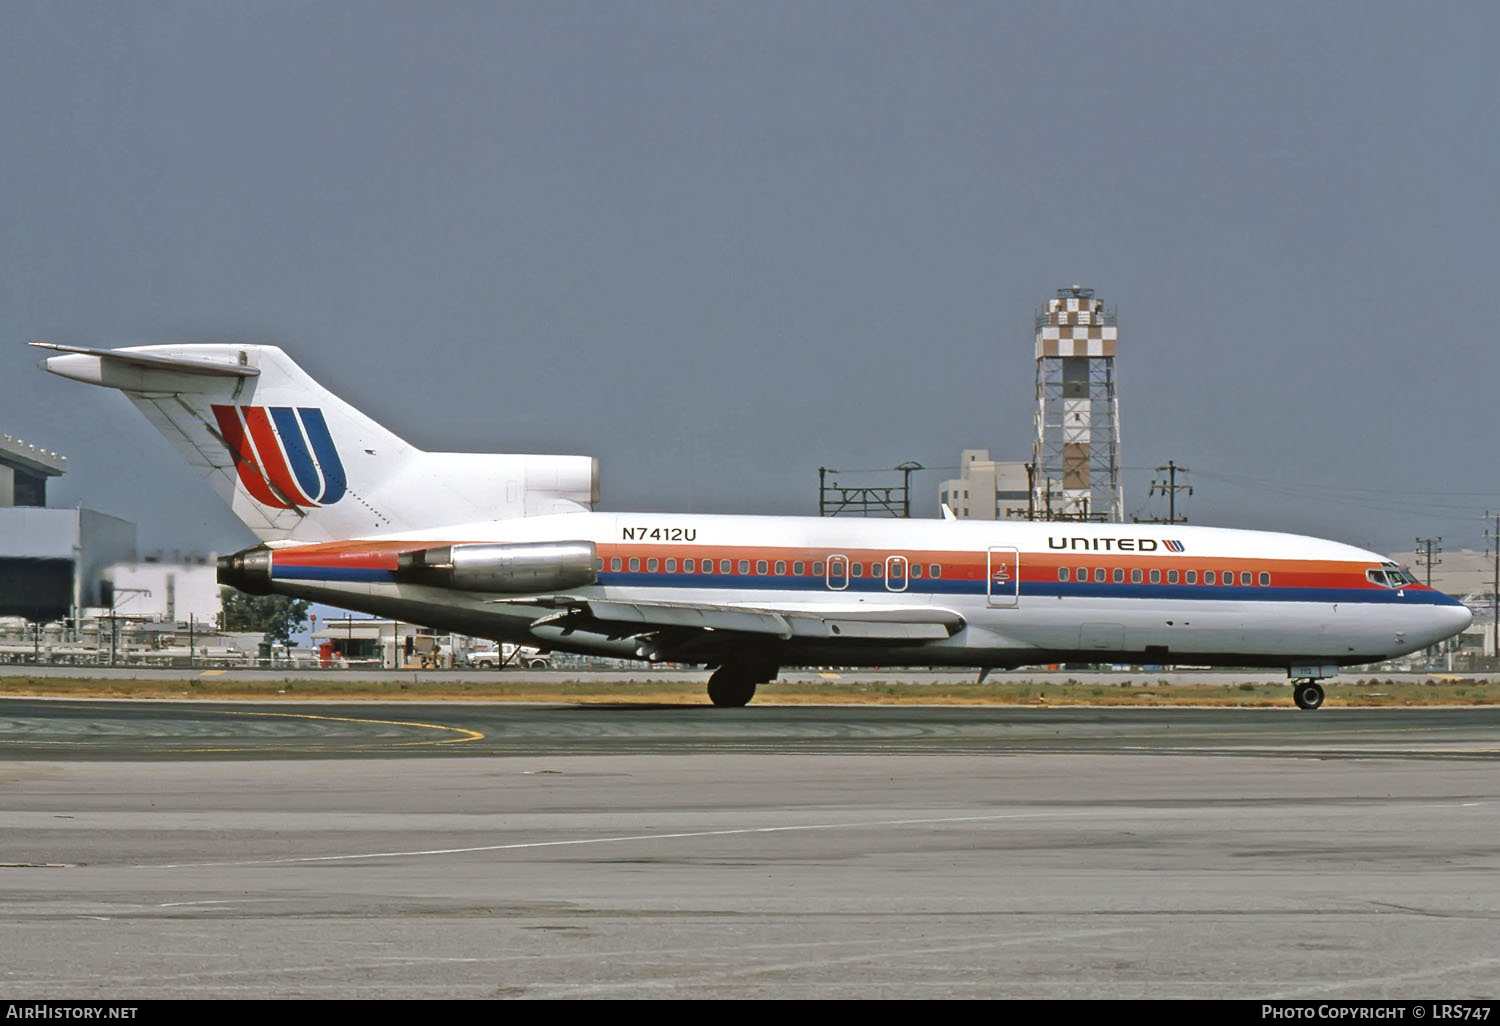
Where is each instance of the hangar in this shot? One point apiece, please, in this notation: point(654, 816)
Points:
point(53, 562)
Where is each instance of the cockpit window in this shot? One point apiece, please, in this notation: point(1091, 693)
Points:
point(1390, 576)
point(1398, 576)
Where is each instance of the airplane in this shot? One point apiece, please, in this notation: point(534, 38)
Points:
point(508, 547)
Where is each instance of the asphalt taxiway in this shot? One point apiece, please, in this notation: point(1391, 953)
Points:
point(157, 850)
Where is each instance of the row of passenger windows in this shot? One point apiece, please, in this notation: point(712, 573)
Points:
point(1137, 576)
point(800, 568)
point(763, 567)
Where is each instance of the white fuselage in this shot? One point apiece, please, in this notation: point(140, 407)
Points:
point(1025, 592)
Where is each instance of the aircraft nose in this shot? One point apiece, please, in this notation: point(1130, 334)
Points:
point(1461, 617)
point(1449, 619)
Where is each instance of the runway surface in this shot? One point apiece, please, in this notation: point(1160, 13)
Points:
point(347, 850)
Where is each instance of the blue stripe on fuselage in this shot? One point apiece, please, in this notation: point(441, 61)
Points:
point(331, 573)
point(1029, 589)
point(929, 586)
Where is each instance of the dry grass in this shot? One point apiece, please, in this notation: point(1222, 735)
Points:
point(1144, 692)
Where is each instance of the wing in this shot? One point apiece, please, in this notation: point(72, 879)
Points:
point(684, 630)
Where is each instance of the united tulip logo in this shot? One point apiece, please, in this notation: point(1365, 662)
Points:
point(285, 456)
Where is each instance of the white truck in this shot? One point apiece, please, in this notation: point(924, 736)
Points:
point(494, 657)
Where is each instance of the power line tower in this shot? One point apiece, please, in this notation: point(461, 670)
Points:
point(1492, 546)
point(1427, 548)
point(836, 500)
point(1076, 438)
point(1170, 488)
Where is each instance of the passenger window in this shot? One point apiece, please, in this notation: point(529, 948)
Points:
point(916, 569)
point(635, 564)
point(1156, 577)
point(1171, 576)
point(1228, 576)
point(817, 569)
point(1062, 573)
point(1265, 580)
point(760, 566)
point(1246, 578)
point(876, 570)
point(671, 566)
point(1135, 575)
point(798, 567)
point(651, 565)
point(598, 562)
point(935, 570)
point(744, 566)
point(780, 567)
point(1100, 574)
point(858, 569)
point(725, 566)
point(689, 566)
point(614, 564)
point(1192, 577)
point(1208, 577)
point(1119, 576)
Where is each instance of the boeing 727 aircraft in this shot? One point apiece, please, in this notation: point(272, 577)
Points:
point(507, 547)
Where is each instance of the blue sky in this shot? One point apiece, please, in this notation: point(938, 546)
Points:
point(720, 244)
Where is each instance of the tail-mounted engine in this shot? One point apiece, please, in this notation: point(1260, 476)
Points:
point(249, 570)
point(518, 568)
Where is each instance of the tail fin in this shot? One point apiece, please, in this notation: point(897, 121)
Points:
point(297, 463)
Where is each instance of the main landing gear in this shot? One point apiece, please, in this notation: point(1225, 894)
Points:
point(733, 684)
point(1308, 694)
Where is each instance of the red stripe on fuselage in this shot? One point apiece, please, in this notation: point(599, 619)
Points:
point(1036, 567)
point(963, 565)
point(365, 557)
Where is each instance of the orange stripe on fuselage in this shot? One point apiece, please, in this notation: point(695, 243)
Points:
point(1036, 567)
point(963, 565)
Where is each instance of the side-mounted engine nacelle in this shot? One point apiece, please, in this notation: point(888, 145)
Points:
point(515, 568)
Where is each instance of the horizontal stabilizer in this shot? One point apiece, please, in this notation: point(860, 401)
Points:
point(152, 361)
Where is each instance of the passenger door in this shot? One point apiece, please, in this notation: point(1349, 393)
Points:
point(1003, 580)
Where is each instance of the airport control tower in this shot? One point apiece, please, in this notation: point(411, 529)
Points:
point(1076, 448)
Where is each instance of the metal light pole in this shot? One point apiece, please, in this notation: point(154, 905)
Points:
point(906, 469)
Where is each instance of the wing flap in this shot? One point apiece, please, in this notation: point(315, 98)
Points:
point(834, 623)
point(652, 615)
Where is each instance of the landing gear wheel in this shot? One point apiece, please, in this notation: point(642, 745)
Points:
point(1308, 695)
point(729, 687)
